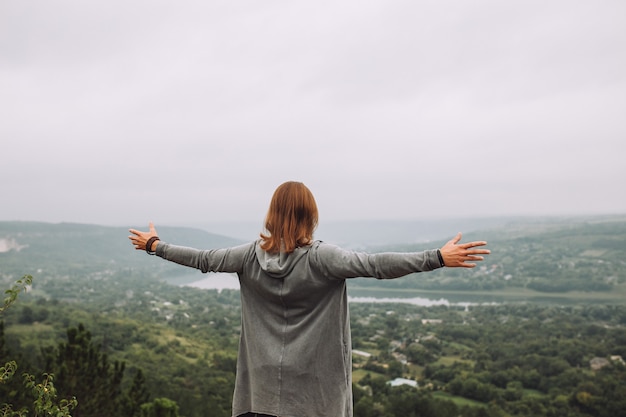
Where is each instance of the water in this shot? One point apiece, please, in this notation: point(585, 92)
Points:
point(222, 281)
point(208, 281)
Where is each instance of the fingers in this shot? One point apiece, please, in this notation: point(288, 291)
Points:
point(470, 253)
point(456, 238)
point(478, 252)
point(467, 245)
point(473, 244)
point(136, 241)
point(463, 255)
point(137, 232)
point(139, 238)
point(474, 256)
point(468, 261)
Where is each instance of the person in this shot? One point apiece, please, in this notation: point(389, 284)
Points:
point(295, 351)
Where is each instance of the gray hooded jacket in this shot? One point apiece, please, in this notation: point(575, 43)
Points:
point(295, 357)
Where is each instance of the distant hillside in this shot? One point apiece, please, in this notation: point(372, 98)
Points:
point(547, 255)
point(368, 233)
point(70, 248)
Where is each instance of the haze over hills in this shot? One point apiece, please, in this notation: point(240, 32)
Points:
point(27, 247)
point(185, 339)
point(362, 234)
point(356, 234)
point(542, 254)
point(369, 233)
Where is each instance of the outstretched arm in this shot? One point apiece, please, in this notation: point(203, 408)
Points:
point(140, 239)
point(230, 259)
point(457, 254)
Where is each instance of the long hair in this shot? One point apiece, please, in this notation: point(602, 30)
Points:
point(291, 218)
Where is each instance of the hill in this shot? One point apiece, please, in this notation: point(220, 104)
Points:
point(366, 233)
point(71, 249)
point(539, 254)
point(546, 255)
point(184, 340)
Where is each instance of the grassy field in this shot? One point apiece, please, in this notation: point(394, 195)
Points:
point(450, 360)
point(34, 333)
point(460, 401)
point(359, 374)
point(533, 393)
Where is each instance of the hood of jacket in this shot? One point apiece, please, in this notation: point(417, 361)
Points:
point(279, 265)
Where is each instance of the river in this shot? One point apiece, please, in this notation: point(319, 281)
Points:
point(213, 281)
point(222, 281)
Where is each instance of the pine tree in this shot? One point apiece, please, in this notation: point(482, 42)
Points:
point(44, 394)
point(160, 407)
point(136, 396)
point(85, 372)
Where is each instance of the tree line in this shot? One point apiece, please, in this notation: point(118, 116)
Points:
point(173, 349)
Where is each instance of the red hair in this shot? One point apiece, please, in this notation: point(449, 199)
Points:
point(291, 218)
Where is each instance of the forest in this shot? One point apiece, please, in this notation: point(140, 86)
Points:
point(547, 257)
point(116, 333)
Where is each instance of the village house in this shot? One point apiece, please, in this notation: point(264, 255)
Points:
point(598, 363)
point(403, 381)
point(432, 321)
point(361, 353)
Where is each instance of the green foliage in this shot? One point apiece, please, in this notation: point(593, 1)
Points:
point(151, 340)
point(136, 396)
point(7, 371)
point(547, 256)
point(543, 255)
point(45, 400)
point(86, 372)
point(12, 293)
point(71, 250)
point(45, 396)
point(189, 359)
point(160, 407)
point(44, 393)
point(509, 359)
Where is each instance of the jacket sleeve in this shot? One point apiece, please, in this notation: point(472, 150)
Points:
point(338, 263)
point(212, 260)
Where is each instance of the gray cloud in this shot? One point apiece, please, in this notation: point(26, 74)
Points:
point(120, 112)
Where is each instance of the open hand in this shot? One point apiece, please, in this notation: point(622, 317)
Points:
point(457, 254)
point(139, 239)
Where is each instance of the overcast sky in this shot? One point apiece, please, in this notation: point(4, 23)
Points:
point(121, 112)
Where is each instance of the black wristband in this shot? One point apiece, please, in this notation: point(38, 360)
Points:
point(149, 244)
point(441, 262)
